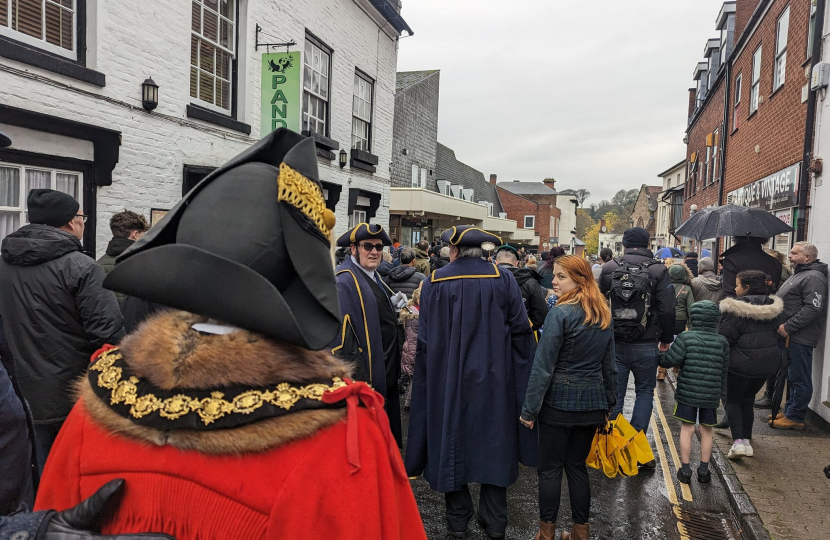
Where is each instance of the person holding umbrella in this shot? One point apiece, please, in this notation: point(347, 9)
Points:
point(747, 254)
point(804, 313)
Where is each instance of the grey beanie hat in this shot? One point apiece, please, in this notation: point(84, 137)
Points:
point(706, 264)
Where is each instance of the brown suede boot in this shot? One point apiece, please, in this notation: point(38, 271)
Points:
point(546, 530)
point(579, 532)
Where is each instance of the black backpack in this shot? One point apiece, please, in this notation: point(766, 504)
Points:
point(630, 297)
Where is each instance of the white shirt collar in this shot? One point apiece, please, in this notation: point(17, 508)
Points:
point(368, 273)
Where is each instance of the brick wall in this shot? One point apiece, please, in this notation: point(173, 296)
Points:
point(541, 206)
point(130, 41)
point(708, 119)
point(743, 11)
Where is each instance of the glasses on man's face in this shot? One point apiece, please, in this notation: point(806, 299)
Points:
point(368, 247)
point(83, 217)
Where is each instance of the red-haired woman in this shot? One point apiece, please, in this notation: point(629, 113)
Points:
point(571, 389)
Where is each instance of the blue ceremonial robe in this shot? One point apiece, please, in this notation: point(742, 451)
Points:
point(473, 360)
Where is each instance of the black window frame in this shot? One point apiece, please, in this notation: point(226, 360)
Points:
point(34, 56)
point(370, 141)
point(193, 174)
point(231, 121)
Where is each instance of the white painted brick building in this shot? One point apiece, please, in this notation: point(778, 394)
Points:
point(72, 100)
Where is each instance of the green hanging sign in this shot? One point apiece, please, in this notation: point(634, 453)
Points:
point(280, 95)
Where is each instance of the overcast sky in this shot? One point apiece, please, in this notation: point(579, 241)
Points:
point(593, 94)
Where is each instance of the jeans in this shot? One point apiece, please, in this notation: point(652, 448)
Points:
point(739, 404)
point(564, 448)
point(45, 435)
point(641, 360)
point(800, 379)
point(492, 508)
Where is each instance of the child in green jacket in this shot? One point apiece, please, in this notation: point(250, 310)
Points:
point(703, 355)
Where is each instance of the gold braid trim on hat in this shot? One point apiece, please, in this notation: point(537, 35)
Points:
point(209, 409)
point(306, 196)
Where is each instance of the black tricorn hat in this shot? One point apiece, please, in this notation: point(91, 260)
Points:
point(470, 236)
point(248, 246)
point(361, 232)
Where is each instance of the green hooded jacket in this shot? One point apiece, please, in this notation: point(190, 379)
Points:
point(681, 278)
point(703, 356)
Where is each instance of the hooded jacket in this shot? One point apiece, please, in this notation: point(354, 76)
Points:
point(662, 313)
point(301, 470)
point(404, 279)
point(750, 325)
point(116, 247)
point(681, 278)
point(804, 295)
point(438, 262)
point(422, 261)
point(533, 294)
point(707, 286)
point(703, 356)
point(55, 312)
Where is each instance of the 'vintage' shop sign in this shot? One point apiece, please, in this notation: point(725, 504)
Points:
point(775, 192)
point(280, 93)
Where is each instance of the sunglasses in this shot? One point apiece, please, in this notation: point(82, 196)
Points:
point(368, 247)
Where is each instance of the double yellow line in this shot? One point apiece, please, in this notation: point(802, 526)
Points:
point(658, 441)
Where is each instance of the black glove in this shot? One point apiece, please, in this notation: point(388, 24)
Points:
point(82, 522)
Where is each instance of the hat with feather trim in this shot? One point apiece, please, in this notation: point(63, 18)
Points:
point(249, 246)
point(470, 236)
point(364, 231)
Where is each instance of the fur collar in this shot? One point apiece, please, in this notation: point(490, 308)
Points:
point(756, 312)
point(170, 354)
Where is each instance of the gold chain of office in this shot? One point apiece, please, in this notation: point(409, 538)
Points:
point(210, 408)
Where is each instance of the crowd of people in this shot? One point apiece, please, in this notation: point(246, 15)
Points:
point(260, 371)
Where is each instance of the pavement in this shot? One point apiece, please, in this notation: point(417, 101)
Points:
point(650, 506)
point(785, 479)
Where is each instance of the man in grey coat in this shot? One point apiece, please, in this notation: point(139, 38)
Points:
point(55, 311)
point(804, 314)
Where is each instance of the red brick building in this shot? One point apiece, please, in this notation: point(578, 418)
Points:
point(751, 153)
point(533, 206)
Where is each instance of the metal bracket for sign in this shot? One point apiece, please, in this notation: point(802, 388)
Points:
point(269, 45)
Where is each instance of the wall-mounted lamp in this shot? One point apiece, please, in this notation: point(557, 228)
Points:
point(343, 158)
point(149, 94)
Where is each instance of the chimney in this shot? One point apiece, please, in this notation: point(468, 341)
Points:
point(550, 183)
point(692, 101)
point(493, 179)
point(601, 224)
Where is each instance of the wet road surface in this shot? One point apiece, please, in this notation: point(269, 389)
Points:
point(642, 507)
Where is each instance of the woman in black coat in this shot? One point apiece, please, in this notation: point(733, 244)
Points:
point(749, 323)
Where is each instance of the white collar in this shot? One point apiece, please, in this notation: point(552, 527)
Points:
point(368, 273)
point(214, 328)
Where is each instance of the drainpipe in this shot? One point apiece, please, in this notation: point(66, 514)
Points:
point(804, 178)
point(724, 130)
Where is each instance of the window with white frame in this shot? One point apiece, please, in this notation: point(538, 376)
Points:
point(357, 217)
point(781, 32)
point(49, 25)
point(755, 89)
point(737, 107)
point(316, 65)
point(707, 172)
point(423, 183)
point(715, 144)
point(530, 222)
point(212, 53)
point(17, 180)
point(416, 183)
point(362, 112)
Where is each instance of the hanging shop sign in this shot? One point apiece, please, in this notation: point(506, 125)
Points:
point(280, 95)
point(775, 192)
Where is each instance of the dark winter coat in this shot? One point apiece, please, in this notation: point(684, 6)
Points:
point(703, 355)
point(804, 295)
point(475, 351)
point(438, 262)
point(533, 294)
point(661, 315)
point(422, 261)
point(409, 318)
point(750, 325)
point(746, 255)
point(116, 247)
point(573, 369)
point(55, 313)
point(404, 279)
point(691, 264)
point(384, 268)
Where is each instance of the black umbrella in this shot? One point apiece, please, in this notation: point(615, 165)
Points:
point(731, 220)
point(780, 381)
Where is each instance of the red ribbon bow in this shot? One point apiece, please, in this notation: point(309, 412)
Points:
point(356, 393)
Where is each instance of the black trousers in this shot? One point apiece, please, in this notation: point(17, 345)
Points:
point(564, 448)
point(740, 398)
point(492, 508)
